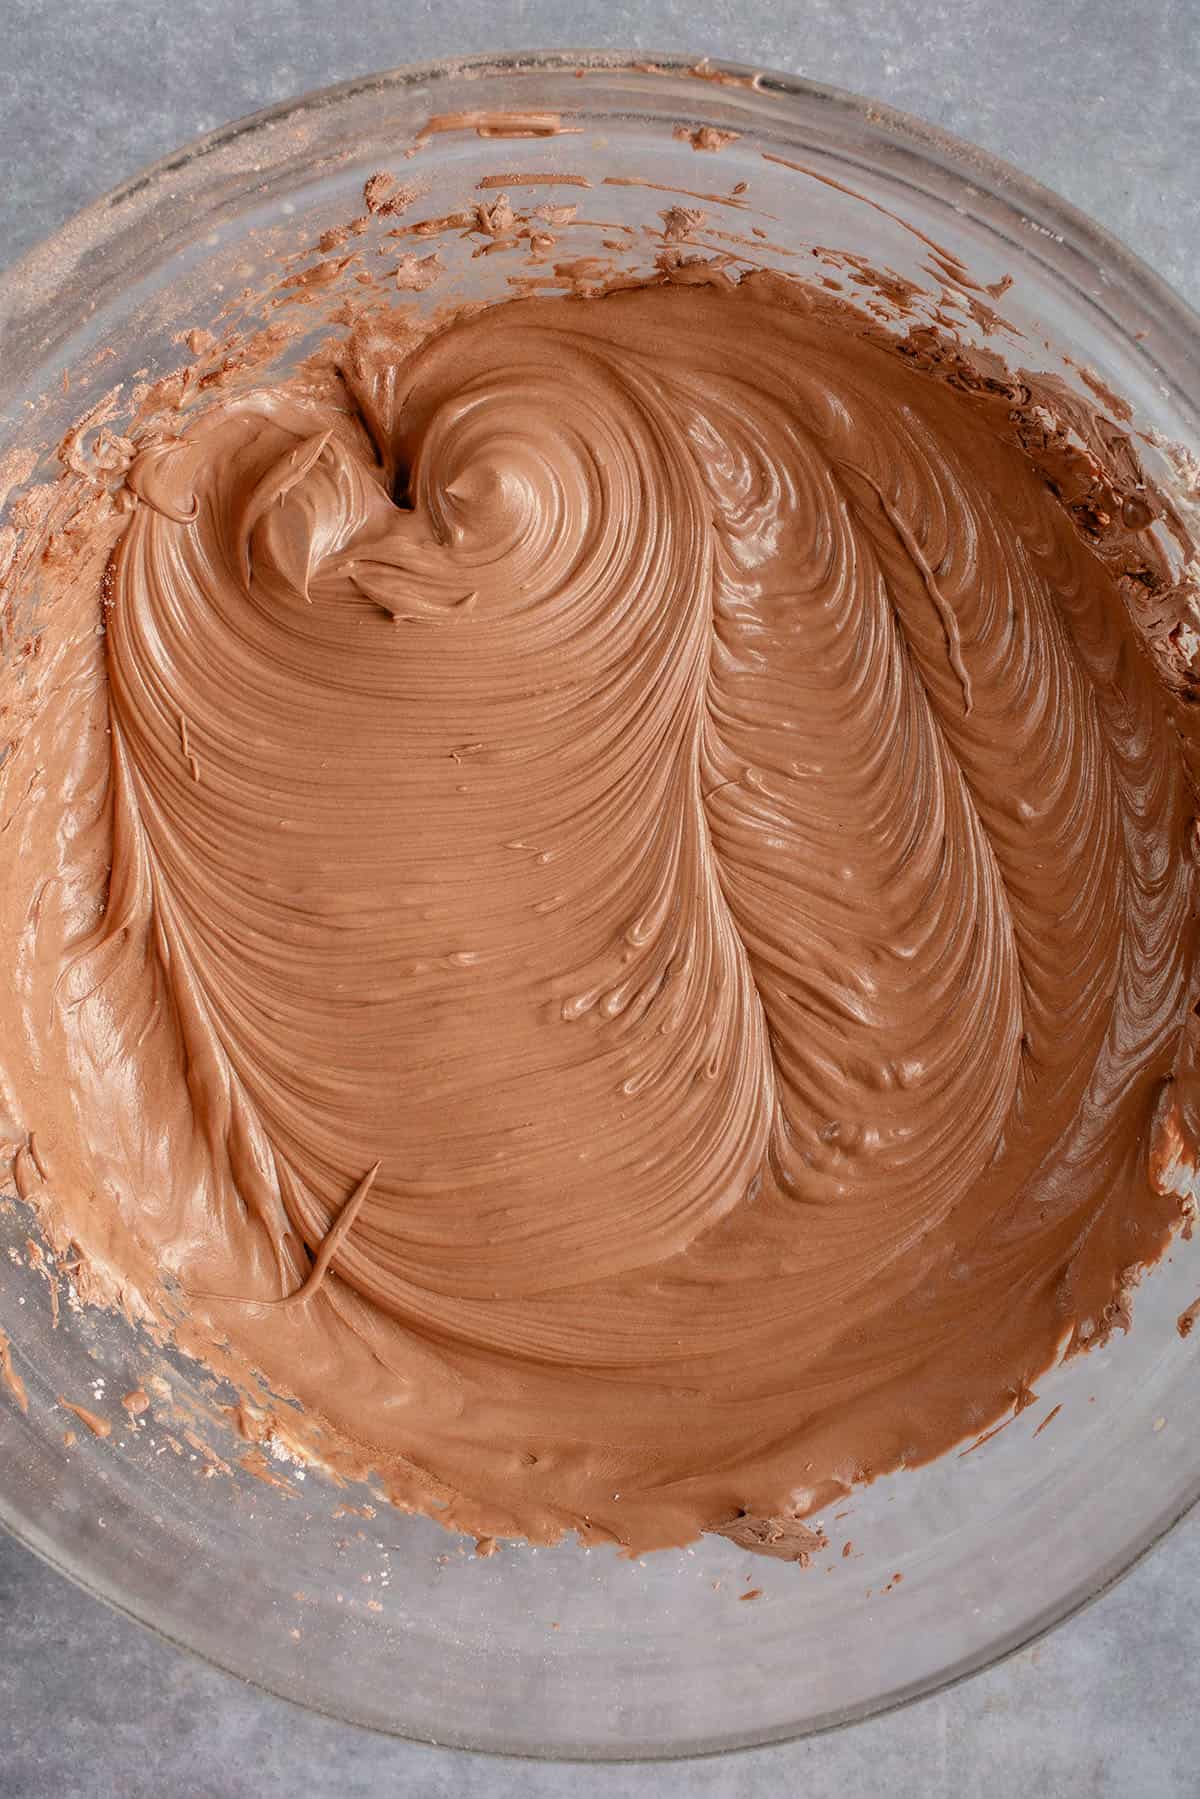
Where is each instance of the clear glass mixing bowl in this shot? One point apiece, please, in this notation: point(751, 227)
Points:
point(382, 1618)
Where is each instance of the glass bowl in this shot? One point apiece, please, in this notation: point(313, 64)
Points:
point(329, 1596)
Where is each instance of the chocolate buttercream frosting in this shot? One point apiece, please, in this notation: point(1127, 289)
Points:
point(621, 905)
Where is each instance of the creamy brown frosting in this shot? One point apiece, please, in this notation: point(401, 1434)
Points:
point(651, 903)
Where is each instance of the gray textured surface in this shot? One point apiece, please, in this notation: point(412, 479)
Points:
point(1099, 101)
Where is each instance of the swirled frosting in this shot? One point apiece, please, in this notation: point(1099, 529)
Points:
point(650, 906)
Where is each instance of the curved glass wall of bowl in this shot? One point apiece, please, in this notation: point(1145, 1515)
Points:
point(329, 1596)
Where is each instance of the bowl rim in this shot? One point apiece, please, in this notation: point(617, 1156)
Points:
point(22, 284)
point(109, 211)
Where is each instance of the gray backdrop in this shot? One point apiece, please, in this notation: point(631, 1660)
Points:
point(1099, 100)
